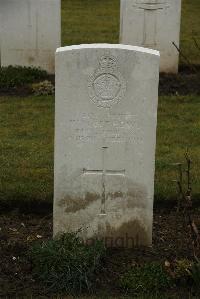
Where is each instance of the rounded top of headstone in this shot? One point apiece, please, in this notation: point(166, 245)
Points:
point(109, 46)
point(151, 1)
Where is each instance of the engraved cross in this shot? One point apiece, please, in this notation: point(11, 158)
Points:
point(150, 20)
point(104, 172)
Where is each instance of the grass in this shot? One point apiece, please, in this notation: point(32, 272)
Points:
point(149, 278)
point(178, 130)
point(90, 21)
point(27, 124)
point(26, 140)
point(94, 21)
point(59, 265)
point(190, 28)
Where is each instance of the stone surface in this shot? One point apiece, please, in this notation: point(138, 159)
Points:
point(105, 136)
point(153, 24)
point(30, 32)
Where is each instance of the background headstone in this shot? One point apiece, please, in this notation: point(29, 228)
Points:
point(154, 24)
point(105, 136)
point(1, 30)
point(31, 32)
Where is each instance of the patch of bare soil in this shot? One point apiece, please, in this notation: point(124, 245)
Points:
point(183, 83)
point(20, 91)
point(171, 240)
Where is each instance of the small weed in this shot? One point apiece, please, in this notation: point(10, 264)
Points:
point(149, 278)
point(67, 264)
point(18, 76)
point(182, 269)
point(43, 88)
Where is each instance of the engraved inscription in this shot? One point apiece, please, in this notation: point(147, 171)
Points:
point(150, 9)
point(106, 86)
point(115, 128)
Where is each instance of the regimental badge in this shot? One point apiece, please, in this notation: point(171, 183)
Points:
point(106, 85)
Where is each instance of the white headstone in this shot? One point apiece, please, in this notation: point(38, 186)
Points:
point(31, 32)
point(105, 136)
point(1, 30)
point(153, 24)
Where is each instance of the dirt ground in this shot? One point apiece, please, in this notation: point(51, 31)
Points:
point(183, 83)
point(171, 240)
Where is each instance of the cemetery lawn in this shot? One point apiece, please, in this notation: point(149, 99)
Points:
point(27, 136)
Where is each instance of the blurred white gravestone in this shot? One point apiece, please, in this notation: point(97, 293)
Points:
point(105, 136)
point(1, 30)
point(153, 24)
point(31, 32)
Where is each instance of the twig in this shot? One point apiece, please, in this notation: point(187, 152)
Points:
point(180, 185)
point(185, 201)
point(185, 57)
point(196, 43)
point(188, 194)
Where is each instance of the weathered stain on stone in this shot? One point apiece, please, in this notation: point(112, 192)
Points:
point(75, 204)
point(115, 195)
point(135, 197)
point(31, 59)
point(136, 194)
point(129, 235)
